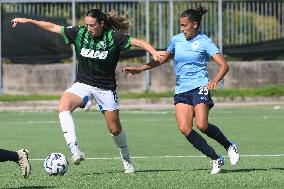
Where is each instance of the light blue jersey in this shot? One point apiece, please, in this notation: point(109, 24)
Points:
point(191, 57)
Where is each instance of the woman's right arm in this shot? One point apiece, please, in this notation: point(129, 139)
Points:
point(129, 71)
point(42, 24)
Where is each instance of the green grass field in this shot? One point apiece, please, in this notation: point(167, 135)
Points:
point(162, 156)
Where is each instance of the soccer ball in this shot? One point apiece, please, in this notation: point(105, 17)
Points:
point(56, 164)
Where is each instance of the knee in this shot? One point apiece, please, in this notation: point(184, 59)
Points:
point(59, 109)
point(185, 129)
point(62, 107)
point(115, 131)
point(202, 126)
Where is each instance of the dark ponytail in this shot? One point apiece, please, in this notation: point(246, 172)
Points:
point(119, 21)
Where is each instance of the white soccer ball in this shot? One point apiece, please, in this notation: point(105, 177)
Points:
point(56, 164)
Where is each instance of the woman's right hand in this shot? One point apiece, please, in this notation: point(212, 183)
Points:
point(159, 56)
point(19, 20)
point(129, 71)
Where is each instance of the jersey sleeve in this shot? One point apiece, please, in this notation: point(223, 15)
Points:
point(69, 33)
point(121, 40)
point(211, 48)
point(171, 46)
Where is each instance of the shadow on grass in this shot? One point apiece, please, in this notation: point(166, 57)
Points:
point(277, 169)
point(249, 170)
point(31, 187)
point(223, 171)
point(167, 170)
point(145, 171)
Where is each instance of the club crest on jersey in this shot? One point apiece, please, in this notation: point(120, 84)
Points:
point(102, 45)
point(195, 45)
point(90, 53)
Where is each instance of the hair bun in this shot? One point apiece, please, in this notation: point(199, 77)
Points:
point(201, 9)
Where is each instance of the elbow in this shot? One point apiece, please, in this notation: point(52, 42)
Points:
point(224, 67)
point(227, 68)
point(136, 42)
point(55, 29)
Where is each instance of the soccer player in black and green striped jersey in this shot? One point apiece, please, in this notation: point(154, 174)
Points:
point(98, 45)
point(21, 157)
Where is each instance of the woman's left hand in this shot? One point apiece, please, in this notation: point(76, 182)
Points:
point(18, 20)
point(212, 85)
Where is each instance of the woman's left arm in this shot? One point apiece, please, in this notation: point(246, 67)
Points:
point(157, 55)
point(223, 69)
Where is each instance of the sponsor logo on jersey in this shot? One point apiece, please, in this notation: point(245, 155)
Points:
point(90, 53)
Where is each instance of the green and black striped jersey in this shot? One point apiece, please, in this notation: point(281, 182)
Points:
point(97, 56)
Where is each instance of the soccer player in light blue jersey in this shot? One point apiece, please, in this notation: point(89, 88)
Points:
point(191, 51)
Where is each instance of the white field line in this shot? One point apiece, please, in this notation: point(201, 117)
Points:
point(166, 157)
point(142, 120)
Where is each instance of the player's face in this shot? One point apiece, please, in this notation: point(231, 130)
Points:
point(187, 27)
point(94, 28)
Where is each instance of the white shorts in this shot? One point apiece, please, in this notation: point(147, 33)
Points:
point(107, 100)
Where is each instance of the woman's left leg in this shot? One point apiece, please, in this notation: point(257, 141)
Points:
point(201, 120)
point(119, 137)
point(201, 111)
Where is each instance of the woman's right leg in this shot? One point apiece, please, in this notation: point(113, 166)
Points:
point(68, 103)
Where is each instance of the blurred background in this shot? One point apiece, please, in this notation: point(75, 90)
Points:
point(250, 33)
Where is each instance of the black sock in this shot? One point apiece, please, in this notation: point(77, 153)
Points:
point(6, 155)
point(216, 134)
point(200, 144)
